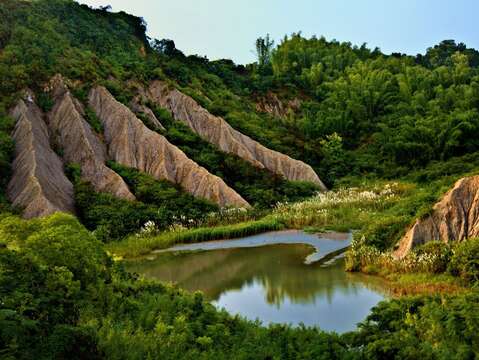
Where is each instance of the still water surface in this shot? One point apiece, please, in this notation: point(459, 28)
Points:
point(276, 277)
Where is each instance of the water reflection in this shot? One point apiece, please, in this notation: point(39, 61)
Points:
point(271, 283)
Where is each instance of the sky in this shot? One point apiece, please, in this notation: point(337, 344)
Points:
point(228, 28)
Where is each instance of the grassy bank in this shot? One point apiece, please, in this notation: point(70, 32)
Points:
point(138, 245)
point(369, 207)
point(423, 284)
point(380, 212)
point(345, 208)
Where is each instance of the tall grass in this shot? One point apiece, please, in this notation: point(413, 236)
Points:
point(135, 245)
point(429, 268)
point(343, 209)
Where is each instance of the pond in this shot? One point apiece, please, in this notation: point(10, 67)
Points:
point(280, 277)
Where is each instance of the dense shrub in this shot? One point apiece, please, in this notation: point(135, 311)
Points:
point(176, 203)
point(6, 155)
point(465, 261)
point(429, 327)
point(44, 283)
point(158, 202)
point(111, 218)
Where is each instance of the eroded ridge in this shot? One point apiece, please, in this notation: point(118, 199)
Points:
point(38, 185)
point(80, 144)
point(217, 131)
point(454, 218)
point(132, 144)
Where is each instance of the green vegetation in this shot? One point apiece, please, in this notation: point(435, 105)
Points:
point(6, 155)
point(93, 120)
point(394, 112)
point(159, 202)
point(390, 133)
point(345, 208)
point(72, 39)
point(53, 265)
point(422, 327)
point(63, 297)
point(465, 261)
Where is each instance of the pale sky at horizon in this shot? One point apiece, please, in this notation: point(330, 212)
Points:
point(228, 29)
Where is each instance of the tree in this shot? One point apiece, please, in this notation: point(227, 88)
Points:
point(264, 50)
point(47, 273)
point(166, 47)
point(335, 157)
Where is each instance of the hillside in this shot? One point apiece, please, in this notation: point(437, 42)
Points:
point(114, 144)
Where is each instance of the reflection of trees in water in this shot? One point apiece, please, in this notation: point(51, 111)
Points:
point(373, 283)
point(280, 269)
point(303, 284)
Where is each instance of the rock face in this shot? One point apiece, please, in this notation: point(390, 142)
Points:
point(272, 105)
point(218, 132)
point(80, 144)
point(132, 144)
point(38, 183)
point(454, 218)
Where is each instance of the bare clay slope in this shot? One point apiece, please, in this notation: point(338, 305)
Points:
point(80, 144)
point(454, 218)
point(38, 185)
point(218, 132)
point(132, 144)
